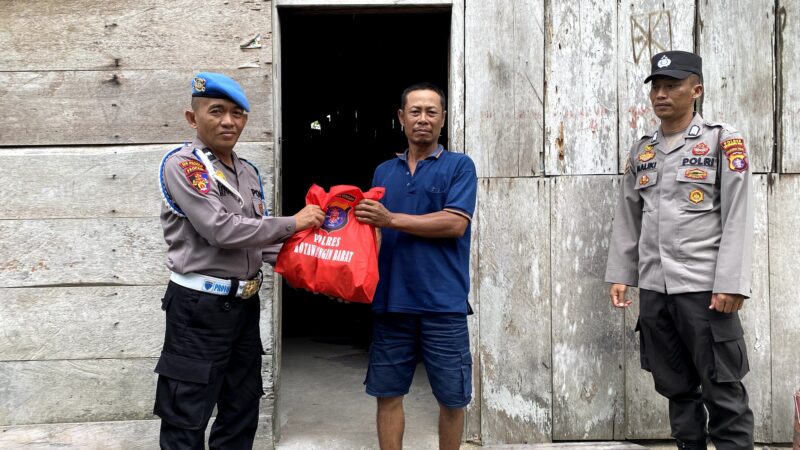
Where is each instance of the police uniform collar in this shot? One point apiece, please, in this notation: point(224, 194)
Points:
point(198, 145)
point(695, 127)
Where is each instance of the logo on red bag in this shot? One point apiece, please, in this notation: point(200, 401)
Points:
point(335, 216)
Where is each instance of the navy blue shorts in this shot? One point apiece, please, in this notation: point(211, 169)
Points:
point(441, 340)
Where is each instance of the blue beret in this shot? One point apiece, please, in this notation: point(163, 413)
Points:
point(217, 85)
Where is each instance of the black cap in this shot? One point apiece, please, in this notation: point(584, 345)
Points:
point(675, 64)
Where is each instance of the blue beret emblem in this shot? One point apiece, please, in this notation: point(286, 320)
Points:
point(199, 84)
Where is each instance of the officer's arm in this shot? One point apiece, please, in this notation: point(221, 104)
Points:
point(623, 253)
point(211, 219)
point(736, 207)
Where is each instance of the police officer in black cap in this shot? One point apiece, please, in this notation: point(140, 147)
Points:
point(683, 234)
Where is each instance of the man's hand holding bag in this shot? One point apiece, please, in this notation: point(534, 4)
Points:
point(339, 259)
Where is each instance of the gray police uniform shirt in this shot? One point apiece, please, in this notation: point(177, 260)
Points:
point(218, 237)
point(684, 218)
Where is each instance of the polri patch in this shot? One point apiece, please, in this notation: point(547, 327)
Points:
point(200, 181)
point(736, 153)
point(700, 149)
point(696, 196)
point(696, 174)
point(737, 161)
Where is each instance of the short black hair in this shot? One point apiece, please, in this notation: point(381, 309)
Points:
point(695, 78)
point(423, 86)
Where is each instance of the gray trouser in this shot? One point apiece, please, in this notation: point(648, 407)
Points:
point(697, 357)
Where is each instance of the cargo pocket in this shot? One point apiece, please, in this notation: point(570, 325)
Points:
point(184, 397)
point(730, 352)
point(466, 375)
point(253, 385)
point(643, 361)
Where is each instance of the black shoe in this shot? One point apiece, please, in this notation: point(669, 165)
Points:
point(691, 445)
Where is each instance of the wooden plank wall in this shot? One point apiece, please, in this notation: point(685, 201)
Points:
point(595, 57)
point(90, 106)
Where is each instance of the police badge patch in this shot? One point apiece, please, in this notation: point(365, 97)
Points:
point(197, 175)
point(335, 216)
point(199, 84)
point(647, 154)
point(696, 174)
point(696, 196)
point(701, 149)
point(736, 153)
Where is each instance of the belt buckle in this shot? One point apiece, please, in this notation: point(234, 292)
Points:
point(251, 287)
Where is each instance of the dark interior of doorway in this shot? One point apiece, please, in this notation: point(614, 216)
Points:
point(342, 76)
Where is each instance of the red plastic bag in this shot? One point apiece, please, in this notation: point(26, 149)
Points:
point(339, 259)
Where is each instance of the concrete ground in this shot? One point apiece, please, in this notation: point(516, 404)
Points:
point(323, 406)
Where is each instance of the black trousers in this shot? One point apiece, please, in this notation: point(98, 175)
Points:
point(697, 357)
point(211, 356)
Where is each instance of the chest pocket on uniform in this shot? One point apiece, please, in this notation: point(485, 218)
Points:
point(696, 185)
point(645, 181)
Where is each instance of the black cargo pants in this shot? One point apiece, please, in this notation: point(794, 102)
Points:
point(212, 355)
point(697, 357)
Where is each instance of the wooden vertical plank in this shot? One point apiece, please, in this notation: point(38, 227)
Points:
point(646, 28)
point(756, 320)
point(789, 52)
point(274, 339)
point(739, 92)
point(472, 426)
point(504, 86)
point(514, 276)
point(455, 109)
point(581, 88)
point(784, 246)
point(588, 372)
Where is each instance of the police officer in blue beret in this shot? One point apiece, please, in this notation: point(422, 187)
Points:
point(218, 233)
point(683, 233)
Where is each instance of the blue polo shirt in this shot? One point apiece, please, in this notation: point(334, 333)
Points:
point(425, 275)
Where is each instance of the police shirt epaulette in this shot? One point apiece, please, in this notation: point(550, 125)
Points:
point(725, 126)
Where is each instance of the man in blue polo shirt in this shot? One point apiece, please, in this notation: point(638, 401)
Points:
point(420, 306)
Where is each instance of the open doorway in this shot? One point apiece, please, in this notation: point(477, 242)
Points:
point(342, 74)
